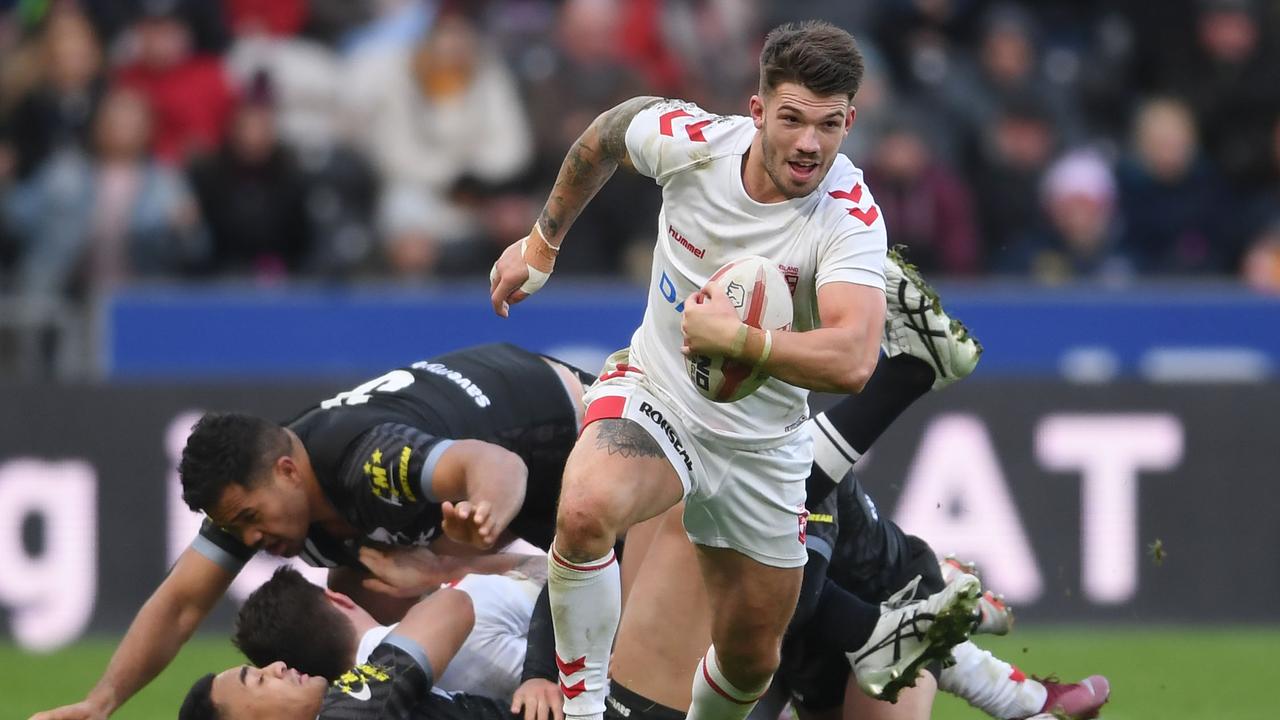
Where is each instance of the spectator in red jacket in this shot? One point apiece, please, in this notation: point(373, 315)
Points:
point(190, 97)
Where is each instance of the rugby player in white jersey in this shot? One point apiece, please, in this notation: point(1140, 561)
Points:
point(772, 184)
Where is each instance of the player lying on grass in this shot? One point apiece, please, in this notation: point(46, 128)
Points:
point(320, 632)
point(870, 557)
point(394, 683)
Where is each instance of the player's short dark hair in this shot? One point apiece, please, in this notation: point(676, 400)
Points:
point(226, 448)
point(198, 704)
point(288, 618)
point(815, 54)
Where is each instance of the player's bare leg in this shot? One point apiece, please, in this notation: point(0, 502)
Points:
point(666, 625)
point(615, 477)
point(751, 606)
point(914, 703)
point(639, 539)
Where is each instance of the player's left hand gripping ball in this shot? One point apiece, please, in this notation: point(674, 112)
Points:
point(522, 270)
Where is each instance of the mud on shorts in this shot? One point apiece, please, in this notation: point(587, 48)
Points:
point(745, 499)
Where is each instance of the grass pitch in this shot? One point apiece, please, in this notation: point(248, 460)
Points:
point(1184, 673)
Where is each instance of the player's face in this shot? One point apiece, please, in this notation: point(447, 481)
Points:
point(271, 515)
point(801, 135)
point(274, 691)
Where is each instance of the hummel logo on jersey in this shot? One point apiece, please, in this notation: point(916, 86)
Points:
point(684, 243)
point(656, 416)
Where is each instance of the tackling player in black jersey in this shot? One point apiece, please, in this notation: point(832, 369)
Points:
point(465, 444)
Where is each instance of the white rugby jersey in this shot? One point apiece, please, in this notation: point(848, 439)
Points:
point(834, 234)
point(491, 659)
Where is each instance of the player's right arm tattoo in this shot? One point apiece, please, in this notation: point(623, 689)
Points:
point(626, 438)
point(588, 165)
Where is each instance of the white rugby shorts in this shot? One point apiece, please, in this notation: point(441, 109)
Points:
point(751, 501)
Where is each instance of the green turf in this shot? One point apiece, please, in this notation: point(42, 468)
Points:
point(1188, 674)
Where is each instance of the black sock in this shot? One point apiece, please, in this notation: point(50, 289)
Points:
point(815, 577)
point(842, 621)
point(897, 382)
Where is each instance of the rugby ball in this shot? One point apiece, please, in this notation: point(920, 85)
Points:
point(762, 297)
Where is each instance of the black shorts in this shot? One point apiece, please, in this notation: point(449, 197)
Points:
point(622, 704)
point(816, 677)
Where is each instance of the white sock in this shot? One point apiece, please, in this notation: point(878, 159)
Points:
point(831, 452)
point(586, 603)
point(991, 684)
point(715, 698)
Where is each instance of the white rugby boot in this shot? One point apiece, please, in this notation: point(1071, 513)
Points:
point(997, 616)
point(912, 633)
point(916, 324)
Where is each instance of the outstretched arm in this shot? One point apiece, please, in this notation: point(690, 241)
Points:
point(590, 163)
point(165, 622)
point(481, 486)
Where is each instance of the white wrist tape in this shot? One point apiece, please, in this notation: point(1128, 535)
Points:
point(537, 278)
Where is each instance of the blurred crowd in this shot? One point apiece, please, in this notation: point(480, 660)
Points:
point(340, 140)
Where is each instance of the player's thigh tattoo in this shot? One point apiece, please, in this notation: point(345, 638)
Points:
point(626, 438)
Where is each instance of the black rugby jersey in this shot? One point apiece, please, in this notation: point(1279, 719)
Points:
point(847, 529)
point(374, 448)
point(395, 684)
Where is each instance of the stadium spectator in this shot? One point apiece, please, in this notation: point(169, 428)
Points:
point(204, 19)
point(191, 98)
point(1082, 240)
point(1171, 199)
point(1229, 76)
point(587, 69)
point(341, 199)
point(328, 21)
point(305, 74)
point(429, 116)
point(1009, 66)
point(91, 222)
point(340, 185)
point(387, 25)
point(876, 103)
point(251, 193)
point(1013, 155)
point(274, 18)
point(923, 200)
point(714, 45)
point(1261, 267)
point(926, 41)
point(57, 112)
